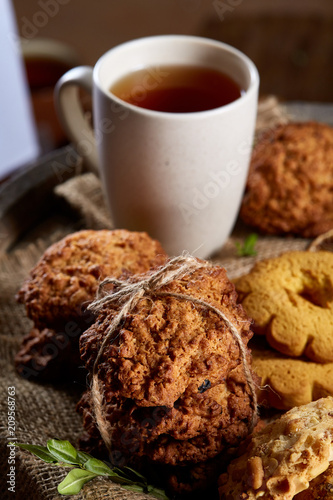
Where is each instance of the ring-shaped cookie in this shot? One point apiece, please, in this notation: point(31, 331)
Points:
point(290, 299)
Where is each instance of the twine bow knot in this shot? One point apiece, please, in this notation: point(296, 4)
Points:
point(127, 295)
point(149, 284)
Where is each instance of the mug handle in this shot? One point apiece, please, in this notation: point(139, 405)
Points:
point(71, 115)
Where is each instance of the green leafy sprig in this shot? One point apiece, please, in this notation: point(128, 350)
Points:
point(247, 248)
point(85, 467)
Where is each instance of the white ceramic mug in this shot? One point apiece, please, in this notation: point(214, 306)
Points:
point(178, 176)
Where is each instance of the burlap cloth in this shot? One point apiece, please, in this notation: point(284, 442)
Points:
point(43, 412)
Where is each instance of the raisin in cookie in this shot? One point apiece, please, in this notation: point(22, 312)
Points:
point(172, 375)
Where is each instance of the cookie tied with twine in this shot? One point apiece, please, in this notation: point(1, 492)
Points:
point(170, 370)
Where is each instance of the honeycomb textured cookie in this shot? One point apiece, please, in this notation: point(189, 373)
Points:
point(290, 299)
point(284, 457)
point(289, 382)
point(290, 182)
point(67, 276)
point(173, 379)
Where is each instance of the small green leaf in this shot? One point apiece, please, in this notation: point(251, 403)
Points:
point(134, 487)
point(40, 451)
point(74, 481)
point(120, 480)
point(98, 467)
point(157, 493)
point(63, 451)
point(83, 457)
point(247, 249)
point(130, 474)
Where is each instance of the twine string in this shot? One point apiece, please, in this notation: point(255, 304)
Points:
point(174, 269)
point(127, 295)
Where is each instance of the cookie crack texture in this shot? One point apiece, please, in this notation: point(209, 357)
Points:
point(69, 272)
point(181, 357)
point(290, 181)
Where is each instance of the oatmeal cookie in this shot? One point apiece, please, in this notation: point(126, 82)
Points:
point(173, 378)
point(51, 356)
point(290, 182)
point(290, 299)
point(67, 276)
point(61, 285)
point(281, 459)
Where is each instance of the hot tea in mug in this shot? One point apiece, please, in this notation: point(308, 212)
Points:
point(174, 119)
point(179, 89)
